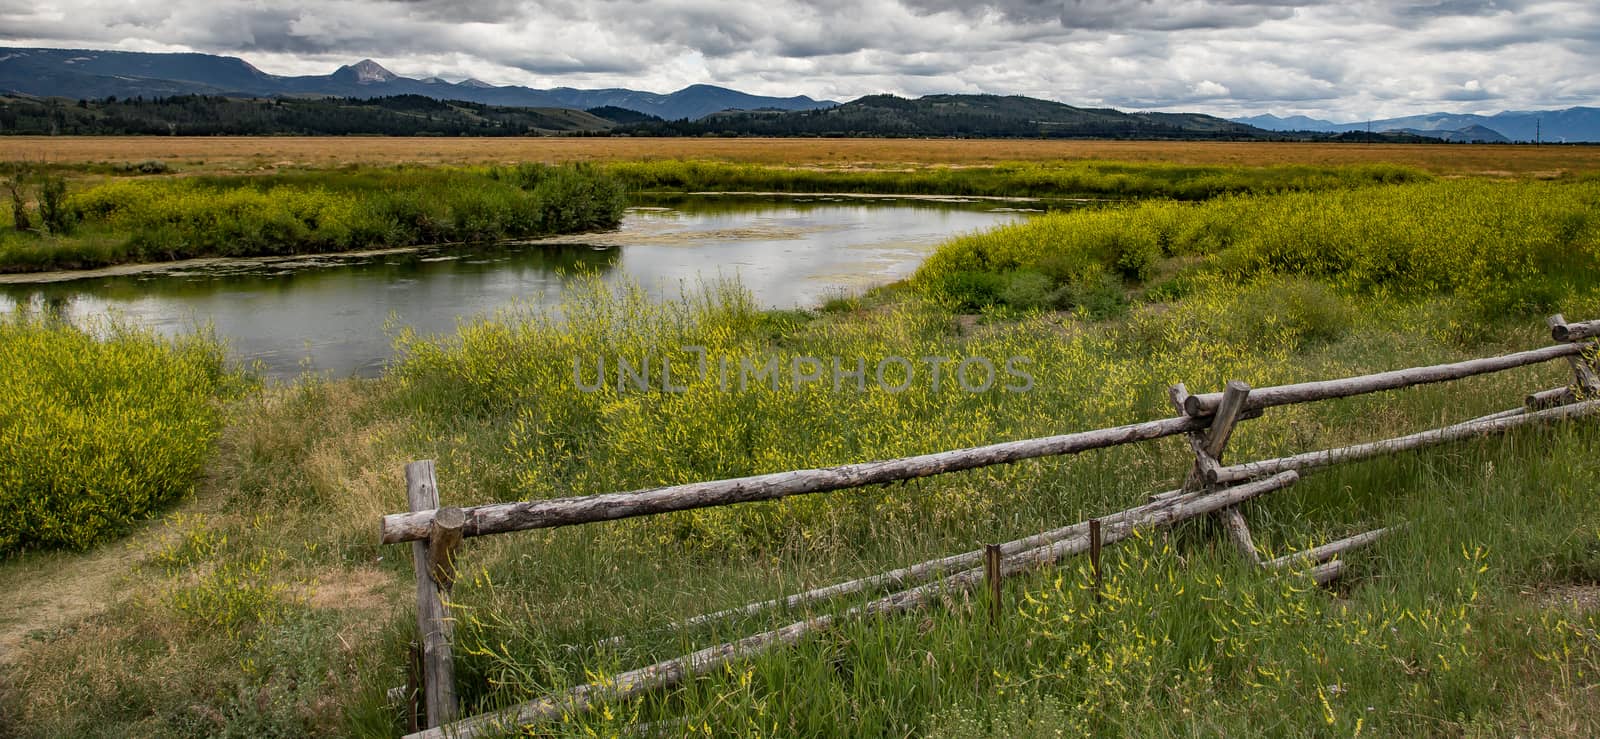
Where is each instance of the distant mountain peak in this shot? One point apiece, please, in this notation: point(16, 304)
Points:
point(79, 73)
point(366, 72)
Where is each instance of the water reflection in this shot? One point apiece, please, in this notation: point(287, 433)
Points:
point(330, 313)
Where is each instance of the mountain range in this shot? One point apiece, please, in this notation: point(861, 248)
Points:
point(1568, 125)
point(85, 74)
point(90, 75)
point(972, 116)
point(216, 115)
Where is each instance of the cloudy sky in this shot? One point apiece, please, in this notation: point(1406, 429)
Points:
point(1348, 60)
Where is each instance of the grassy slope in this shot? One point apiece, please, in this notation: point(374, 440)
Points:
point(257, 617)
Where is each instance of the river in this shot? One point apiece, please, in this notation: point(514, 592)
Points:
point(335, 313)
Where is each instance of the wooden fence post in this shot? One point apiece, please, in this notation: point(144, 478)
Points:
point(1583, 375)
point(435, 627)
point(991, 573)
point(1208, 447)
point(1094, 555)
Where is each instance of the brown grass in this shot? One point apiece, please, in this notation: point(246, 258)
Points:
point(247, 153)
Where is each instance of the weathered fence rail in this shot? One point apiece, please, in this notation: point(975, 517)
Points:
point(500, 518)
point(1210, 488)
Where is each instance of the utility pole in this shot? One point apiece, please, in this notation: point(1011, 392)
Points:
point(1538, 131)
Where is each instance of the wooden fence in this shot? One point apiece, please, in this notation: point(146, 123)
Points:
point(1211, 487)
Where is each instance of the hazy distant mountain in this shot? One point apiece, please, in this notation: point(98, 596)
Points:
point(79, 74)
point(987, 116)
point(1271, 122)
point(1466, 134)
point(1570, 124)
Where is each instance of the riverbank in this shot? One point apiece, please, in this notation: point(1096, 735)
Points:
point(60, 224)
point(277, 612)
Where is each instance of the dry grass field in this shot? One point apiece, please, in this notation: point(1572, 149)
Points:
point(247, 153)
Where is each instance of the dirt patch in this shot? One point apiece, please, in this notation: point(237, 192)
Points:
point(1583, 598)
point(359, 589)
point(48, 591)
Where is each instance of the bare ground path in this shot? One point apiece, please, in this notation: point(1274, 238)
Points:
point(51, 590)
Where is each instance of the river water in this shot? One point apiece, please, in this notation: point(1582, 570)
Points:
point(336, 313)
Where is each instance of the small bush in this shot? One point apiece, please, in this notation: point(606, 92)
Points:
point(1028, 291)
point(54, 211)
point(96, 434)
point(1097, 296)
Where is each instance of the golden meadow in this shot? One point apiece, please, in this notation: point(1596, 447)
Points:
point(267, 608)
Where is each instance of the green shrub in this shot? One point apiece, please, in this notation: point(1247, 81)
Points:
point(1028, 291)
point(97, 433)
point(1098, 295)
point(54, 211)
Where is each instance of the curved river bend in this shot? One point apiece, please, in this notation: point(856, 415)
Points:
point(330, 313)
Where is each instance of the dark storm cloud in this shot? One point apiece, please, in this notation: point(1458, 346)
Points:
point(1347, 60)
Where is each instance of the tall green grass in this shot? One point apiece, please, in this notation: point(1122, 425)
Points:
point(99, 432)
point(1016, 179)
point(143, 220)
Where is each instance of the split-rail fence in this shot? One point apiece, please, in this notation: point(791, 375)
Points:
point(1211, 487)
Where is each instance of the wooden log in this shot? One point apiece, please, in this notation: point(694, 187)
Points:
point(504, 517)
point(1234, 396)
point(1239, 533)
point(1583, 374)
point(674, 671)
point(435, 627)
point(922, 571)
point(1327, 572)
point(1467, 430)
point(1560, 330)
point(1550, 398)
point(443, 540)
point(1208, 447)
point(1318, 555)
point(1509, 413)
point(1267, 397)
point(1177, 395)
point(1204, 465)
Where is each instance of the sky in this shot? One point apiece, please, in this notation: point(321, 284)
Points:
point(1345, 61)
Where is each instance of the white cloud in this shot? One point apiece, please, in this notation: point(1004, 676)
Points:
point(1342, 60)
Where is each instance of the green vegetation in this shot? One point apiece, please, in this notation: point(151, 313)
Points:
point(1514, 247)
point(1062, 179)
point(272, 611)
point(96, 434)
point(162, 219)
